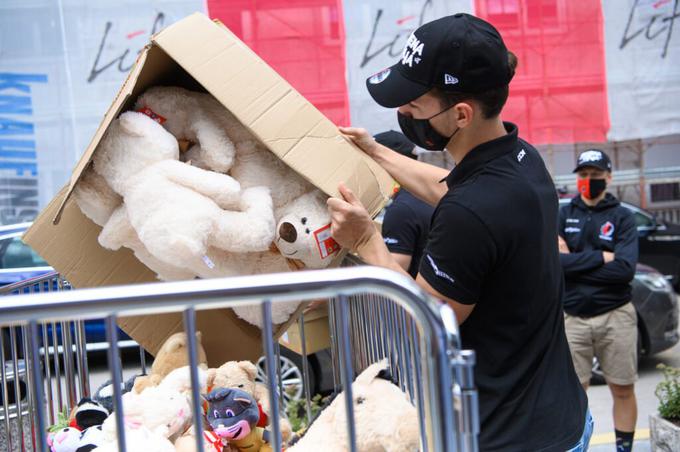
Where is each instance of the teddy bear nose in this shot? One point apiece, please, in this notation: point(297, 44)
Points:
point(287, 232)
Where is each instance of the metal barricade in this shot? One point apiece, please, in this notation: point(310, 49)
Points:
point(373, 314)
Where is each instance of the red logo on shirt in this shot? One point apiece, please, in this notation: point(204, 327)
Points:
point(607, 230)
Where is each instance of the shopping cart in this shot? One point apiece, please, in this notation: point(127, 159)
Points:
point(373, 314)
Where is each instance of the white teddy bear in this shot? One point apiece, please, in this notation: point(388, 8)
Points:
point(177, 210)
point(160, 410)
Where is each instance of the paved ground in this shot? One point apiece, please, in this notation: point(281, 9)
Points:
point(601, 403)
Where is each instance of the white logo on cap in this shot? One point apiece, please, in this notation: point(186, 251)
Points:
point(413, 47)
point(590, 156)
point(379, 77)
point(450, 79)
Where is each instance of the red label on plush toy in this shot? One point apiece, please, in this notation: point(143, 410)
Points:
point(150, 113)
point(325, 242)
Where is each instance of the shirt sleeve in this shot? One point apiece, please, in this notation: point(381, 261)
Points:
point(576, 262)
point(622, 269)
point(460, 252)
point(400, 230)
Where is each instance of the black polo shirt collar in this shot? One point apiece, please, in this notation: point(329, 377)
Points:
point(482, 154)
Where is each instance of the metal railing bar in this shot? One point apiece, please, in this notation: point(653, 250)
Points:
point(270, 368)
point(190, 328)
point(116, 380)
point(346, 368)
point(37, 390)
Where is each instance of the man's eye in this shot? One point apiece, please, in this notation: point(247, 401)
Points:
point(229, 413)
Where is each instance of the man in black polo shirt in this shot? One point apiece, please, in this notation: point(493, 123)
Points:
point(406, 222)
point(491, 253)
point(599, 250)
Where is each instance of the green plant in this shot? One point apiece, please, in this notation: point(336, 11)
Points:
point(62, 421)
point(297, 411)
point(668, 393)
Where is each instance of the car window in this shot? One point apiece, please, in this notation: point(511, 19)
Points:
point(19, 255)
point(642, 220)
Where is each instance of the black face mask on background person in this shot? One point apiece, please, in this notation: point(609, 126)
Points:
point(421, 132)
point(591, 188)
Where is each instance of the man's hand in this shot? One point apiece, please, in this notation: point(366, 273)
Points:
point(351, 225)
point(363, 139)
point(607, 256)
point(562, 245)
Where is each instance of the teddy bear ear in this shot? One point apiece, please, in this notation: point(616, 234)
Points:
point(248, 368)
point(130, 122)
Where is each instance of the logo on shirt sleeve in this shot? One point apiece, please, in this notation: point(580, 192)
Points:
point(390, 241)
point(438, 272)
point(607, 231)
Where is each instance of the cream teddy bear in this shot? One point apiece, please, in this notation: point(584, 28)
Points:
point(178, 210)
point(384, 418)
point(163, 412)
point(172, 355)
point(139, 440)
point(102, 205)
point(197, 118)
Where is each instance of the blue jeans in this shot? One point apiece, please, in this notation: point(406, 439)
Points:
point(582, 445)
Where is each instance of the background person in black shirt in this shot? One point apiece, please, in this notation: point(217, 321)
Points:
point(491, 252)
point(406, 222)
point(598, 249)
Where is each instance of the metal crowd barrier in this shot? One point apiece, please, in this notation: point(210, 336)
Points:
point(373, 314)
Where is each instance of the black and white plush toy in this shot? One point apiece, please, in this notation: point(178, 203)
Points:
point(90, 439)
point(89, 413)
point(104, 394)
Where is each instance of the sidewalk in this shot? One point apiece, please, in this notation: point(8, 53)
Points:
point(605, 442)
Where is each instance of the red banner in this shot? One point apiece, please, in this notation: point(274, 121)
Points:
point(559, 92)
point(303, 40)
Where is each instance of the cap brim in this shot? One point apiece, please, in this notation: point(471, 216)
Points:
point(590, 165)
point(394, 90)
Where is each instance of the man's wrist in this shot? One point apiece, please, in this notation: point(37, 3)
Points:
point(369, 249)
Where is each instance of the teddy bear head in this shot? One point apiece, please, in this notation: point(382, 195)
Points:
point(174, 353)
point(234, 374)
point(304, 232)
point(133, 142)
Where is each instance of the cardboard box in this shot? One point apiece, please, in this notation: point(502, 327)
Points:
point(317, 333)
point(199, 54)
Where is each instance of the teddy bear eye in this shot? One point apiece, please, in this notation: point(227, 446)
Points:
point(216, 413)
point(240, 386)
point(307, 230)
point(229, 413)
point(304, 220)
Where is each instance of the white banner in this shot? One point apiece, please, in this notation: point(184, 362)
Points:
point(643, 67)
point(62, 64)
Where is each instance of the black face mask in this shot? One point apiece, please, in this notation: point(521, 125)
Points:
point(591, 188)
point(421, 133)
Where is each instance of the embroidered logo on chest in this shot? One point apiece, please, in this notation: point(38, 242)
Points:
point(607, 231)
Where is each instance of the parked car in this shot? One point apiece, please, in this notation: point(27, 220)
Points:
point(18, 262)
point(658, 242)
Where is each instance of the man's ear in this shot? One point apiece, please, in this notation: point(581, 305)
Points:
point(463, 113)
point(609, 179)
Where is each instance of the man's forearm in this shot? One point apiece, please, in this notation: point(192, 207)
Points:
point(374, 252)
point(419, 178)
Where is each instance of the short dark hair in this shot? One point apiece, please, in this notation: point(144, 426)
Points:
point(491, 101)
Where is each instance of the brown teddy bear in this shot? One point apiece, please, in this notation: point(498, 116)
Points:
point(172, 355)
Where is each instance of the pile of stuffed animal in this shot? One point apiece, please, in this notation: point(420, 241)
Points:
point(157, 412)
point(184, 185)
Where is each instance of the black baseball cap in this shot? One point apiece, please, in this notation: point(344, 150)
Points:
point(396, 141)
point(459, 53)
point(595, 158)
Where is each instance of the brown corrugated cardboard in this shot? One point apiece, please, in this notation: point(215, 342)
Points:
point(317, 333)
point(199, 54)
